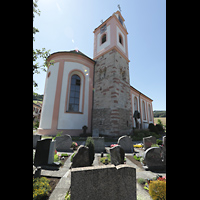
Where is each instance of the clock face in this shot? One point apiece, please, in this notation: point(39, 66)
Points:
point(103, 29)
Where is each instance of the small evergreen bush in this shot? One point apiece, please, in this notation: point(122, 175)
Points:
point(153, 128)
point(90, 144)
point(157, 190)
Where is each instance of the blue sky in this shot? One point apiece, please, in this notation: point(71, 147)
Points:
point(68, 24)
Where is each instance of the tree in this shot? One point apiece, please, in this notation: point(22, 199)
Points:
point(43, 53)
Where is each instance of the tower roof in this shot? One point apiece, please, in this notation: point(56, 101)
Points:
point(115, 14)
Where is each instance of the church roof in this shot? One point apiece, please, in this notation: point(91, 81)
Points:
point(74, 52)
point(140, 92)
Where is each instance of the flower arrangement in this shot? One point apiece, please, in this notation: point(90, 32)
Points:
point(74, 145)
point(138, 146)
point(113, 145)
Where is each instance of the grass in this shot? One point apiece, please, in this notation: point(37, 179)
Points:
point(35, 101)
point(163, 120)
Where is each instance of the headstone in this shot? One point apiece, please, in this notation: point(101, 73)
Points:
point(81, 158)
point(64, 143)
point(148, 141)
point(126, 143)
point(99, 144)
point(153, 158)
point(37, 172)
point(117, 155)
point(52, 152)
point(35, 139)
point(89, 183)
point(42, 152)
point(164, 141)
point(95, 133)
point(164, 148)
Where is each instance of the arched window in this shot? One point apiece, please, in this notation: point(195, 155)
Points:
point(74, 93)
point(143, 110)
point(120, 39)
point(150, 118)
point(103, 39)
point(135, 104)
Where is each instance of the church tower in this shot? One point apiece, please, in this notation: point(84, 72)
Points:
point(112, 101)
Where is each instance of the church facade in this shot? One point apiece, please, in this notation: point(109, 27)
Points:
point(80, 91)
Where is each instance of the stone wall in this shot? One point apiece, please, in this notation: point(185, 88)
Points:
point(112, 100)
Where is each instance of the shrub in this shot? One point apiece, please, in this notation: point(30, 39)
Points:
point(56, 158)
point(141, 181)
point(155, 135)
point(72, 156)
point(159, 142)
point(41, 188)
point(90, 144)
point(157, 190)
point(159, 127)
point(154, 145)
point(153, 128)
point(137, 157)
point(64, 154)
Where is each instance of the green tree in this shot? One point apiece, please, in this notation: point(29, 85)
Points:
point(42, 53)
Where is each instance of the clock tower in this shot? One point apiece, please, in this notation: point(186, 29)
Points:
point(112, 101)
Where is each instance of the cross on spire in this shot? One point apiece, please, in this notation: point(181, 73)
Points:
point(119, 7)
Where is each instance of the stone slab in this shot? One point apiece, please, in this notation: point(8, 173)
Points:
point(121, 181)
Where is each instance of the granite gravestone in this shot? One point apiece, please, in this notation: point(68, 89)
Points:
point(99, 144)
point(44, 154)
point(103, 183)
point(64, 143)
point(35, 139)
point(117, 155)
point(126, 143)
point(81, 158)
point(153, 158)
point(148, 141)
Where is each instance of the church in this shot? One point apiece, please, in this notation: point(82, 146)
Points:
point(81, 91)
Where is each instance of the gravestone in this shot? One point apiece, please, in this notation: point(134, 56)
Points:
point(148, 141)
point(103, 183)
point(35, 139)
point(81, 158)
point(117, 155)
point(153, 158)
point(44, 154)
point(164, 148)
point(99, 144)
point(95, 133)
point(64, 143)
point(126, 143)
point(164, 141)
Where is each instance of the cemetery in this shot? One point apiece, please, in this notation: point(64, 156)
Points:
point(68, 170)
